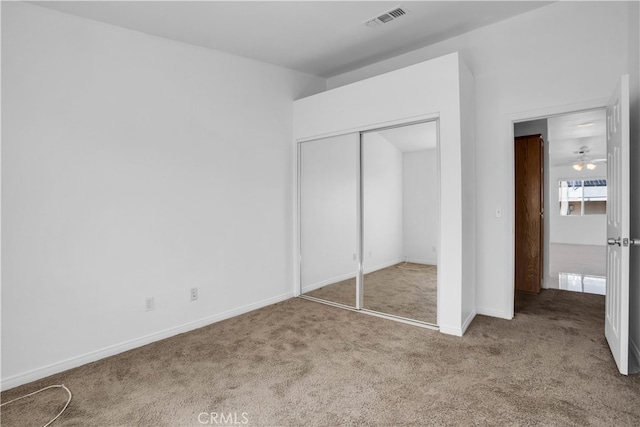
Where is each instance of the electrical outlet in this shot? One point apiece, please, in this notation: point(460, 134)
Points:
point(150, 305)
point(194, 294)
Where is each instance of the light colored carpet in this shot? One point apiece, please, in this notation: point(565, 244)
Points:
point(300, 363)
point(406, 289)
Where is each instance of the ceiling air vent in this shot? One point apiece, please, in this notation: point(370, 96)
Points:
point(386, 17)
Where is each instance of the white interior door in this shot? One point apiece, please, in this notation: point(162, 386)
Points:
point(617, 298)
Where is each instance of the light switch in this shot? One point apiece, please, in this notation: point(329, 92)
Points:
point(498, 212)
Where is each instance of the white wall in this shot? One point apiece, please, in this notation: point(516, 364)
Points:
point(382, 203)
point(575, 229)
point(132, 167)
point(556, 57)
point(421, 206)
point(424, 91)
point(328, 210)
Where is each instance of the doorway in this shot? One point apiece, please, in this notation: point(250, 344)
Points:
point(573, 184)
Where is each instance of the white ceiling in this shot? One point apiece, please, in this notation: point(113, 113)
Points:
point(324, 38)
point(569, 132)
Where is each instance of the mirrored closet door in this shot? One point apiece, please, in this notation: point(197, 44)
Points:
point(328, 209)
point(369, 220)
point(400, 218)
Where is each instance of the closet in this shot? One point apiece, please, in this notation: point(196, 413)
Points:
point(375, 212)
point(372, 196)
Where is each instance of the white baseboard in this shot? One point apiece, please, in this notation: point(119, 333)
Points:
point(422, 261)
point(331, 281)
point(368, 270)
point(468, 320)
point(458, 331)
point(493, 313)
point(74, 362)
point(348, 276)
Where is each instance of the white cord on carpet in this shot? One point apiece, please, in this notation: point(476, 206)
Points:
point(43, 389)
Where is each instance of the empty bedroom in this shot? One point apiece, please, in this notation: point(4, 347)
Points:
point(306, 213)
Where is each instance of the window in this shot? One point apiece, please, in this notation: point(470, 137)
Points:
point(583, 197)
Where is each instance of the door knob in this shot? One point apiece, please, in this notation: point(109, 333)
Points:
point(611, 241)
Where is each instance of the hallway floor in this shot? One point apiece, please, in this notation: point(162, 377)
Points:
point(578, 268)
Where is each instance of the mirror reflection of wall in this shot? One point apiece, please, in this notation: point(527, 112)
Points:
point(400, 193)
point(328, 218)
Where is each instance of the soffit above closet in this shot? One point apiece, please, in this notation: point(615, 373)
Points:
point(323, 38)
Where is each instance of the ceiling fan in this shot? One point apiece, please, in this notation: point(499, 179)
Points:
point(584, 160)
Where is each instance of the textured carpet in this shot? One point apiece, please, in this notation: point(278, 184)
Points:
point(300, 363)
point(407, 290)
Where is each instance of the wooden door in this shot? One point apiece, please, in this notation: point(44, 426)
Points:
point(529, 166)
